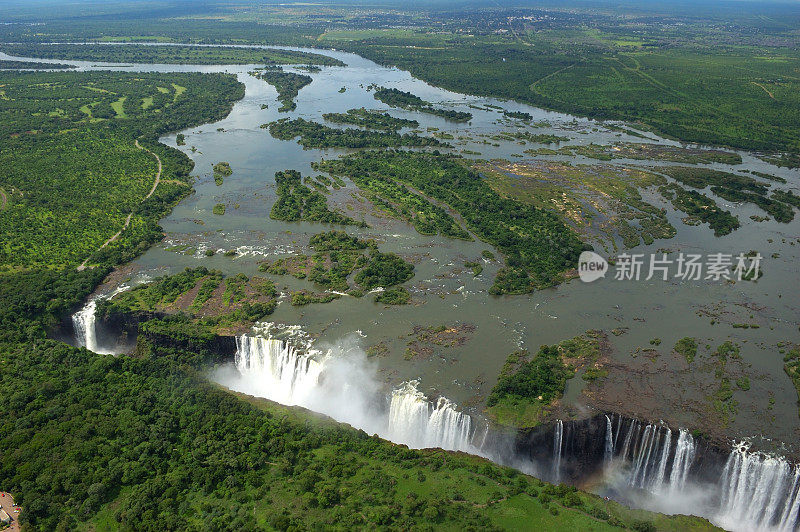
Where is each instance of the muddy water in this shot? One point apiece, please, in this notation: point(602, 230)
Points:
point(446, 293)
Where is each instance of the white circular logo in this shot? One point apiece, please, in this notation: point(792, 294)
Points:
point(591, 266)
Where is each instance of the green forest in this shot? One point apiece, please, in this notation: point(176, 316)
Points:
point(73, 171)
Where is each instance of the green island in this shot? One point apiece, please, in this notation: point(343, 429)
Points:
point(791, 365)
point(406, 100)
point(395, 199)
point(315, 135)
point(137, 53)
point(530, 384)
point(298, 202)
point(370, 120)
point(338, 257)
point(8, 64)
point(538, 247)
point(288, 85)
point(523, 137)
point(221, 171)
point(653, 152)
point(700, 209)
point(601, 203)
point(517, 115)
point(735, 187)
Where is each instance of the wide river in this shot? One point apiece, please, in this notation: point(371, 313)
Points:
point(657, 386)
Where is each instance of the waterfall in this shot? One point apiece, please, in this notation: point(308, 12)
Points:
point(336, 386)
point(642, 456)
point(558, 436)
point(684, 456)
point(758, 492)
point(627, 443)
point(288, 377)
point(609, 450)
point(419, 423)
point(84, 324)
point(651, 457)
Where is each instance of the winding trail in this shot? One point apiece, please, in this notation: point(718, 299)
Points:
point(128, 219)
point(764, 88)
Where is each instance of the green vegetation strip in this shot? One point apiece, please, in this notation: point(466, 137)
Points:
point(370, 119)
point(194, 55)
point(314, 135)
point(406, 100)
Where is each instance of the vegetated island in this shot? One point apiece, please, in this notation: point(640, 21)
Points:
point(407, 100)
point(538, 246)
point(338, 258)
point(315, 135)
point(296, 201)
point(192, 55)
point(8, 64)
point(288, 85)
point(370, 120)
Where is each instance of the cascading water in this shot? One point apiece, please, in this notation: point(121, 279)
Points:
point(558, 438)
point(758, 492)
point(275, 369)
point(609, 448)
point(684, 457)
point(85, 323)
point(288, 376)
point(754, 491)
point(418, 423)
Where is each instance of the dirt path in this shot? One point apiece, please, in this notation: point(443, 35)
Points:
point(764, 88)
point(128, 219)
point(3, 199)
point(7, 504)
